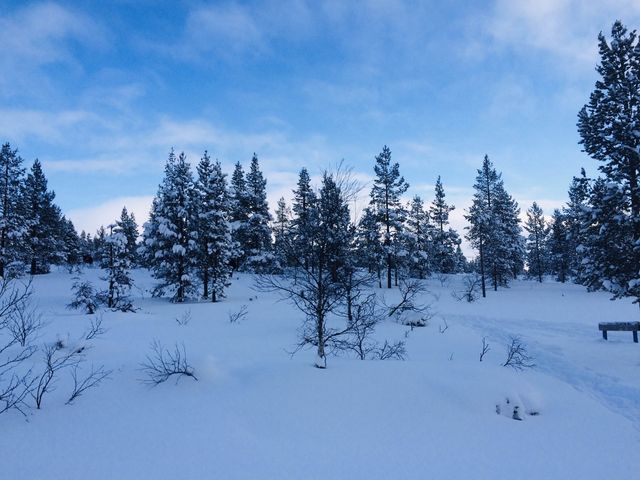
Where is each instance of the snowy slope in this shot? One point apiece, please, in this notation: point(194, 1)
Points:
point(258, 413)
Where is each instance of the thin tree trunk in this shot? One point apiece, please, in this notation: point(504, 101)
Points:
point(482, 280)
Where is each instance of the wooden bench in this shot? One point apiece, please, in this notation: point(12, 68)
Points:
point(620, 327)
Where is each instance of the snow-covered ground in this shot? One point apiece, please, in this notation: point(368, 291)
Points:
point(258, 413)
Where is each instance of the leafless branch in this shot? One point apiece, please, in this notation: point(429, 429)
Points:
point(95, 328)
point(162, 364)
point(485, 348)
point(517, 356)
point(184, 319)
point(238, 315)
point(82, 384)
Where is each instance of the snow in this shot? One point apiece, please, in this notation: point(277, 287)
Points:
point(256, 412)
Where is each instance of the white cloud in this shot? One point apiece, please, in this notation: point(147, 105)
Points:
point(38, 35)
point(91, 218)
point(567, 29)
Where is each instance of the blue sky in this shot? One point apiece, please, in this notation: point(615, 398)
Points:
point(100, 91)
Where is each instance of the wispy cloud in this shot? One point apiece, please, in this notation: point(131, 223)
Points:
point(39, 35)
point(566, 29)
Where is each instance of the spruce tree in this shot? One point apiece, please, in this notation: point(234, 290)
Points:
point(169, 236)
point(12, 225)
point(129, 227)
point(282, 232)
point(42, 219)
point(559, 247)
point(117, 258)
point(215, 247)
point(418, 231)
point(305, 213)
point(369, 248)
point(445, 240)
point(608, 126)
point(238, 214)
point(536, 242)
point(256, 235)
point(388, 187)
point(495, 228)
point(574, 214)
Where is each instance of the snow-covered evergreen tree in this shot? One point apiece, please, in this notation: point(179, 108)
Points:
point(445, 240)
point(305, 214)
point(118, 265)
point(256, 232)
point(537, 255)
point(12, 225)
point(494, 229)
point(42, 219)
point(282, 232)
point(558, 250)
point(169, 238)
point(417, 239)
point(238, 214)
point(607, 237)
point(129, 227)
point(575, 215)
point(609, 127)
point(388, 187)
point(215, 247)
point(369, 248)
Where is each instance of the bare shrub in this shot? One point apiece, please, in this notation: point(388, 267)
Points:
point(517, 356)
point(470, 288)
point(55, 360)
point(408, 310)
point(82, 384)
point(24, 323)
point(443, 328)
point(184, 319)
point(17, 329)
point(162, 364)
point(391, 351)
point(238, 315)
point(95, 328)
point(485, 348)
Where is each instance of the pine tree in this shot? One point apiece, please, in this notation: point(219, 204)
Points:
point(418, 231)
point(129, 227)
point(445, 240)
point(238, 214)
point(574, 214)
point(12, 227)
point(282, 232)
point(118, 265)
point(559, 247)
point(608, 126)
point(71, 246)
point(215, 247)
point(43, 218)
point(494, 229)
point(388, 187)
point(169, 238)
point(536, 242)
point(256, 235)
point(369, 249)
point(305, 213)
point(99, 245)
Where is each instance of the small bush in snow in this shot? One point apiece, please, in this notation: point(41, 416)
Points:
point(184, 319)
point(408, 310)
point(235, 317)
point(162, 364)
point(517, 356)
point(470, 288)
point(85, 297)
